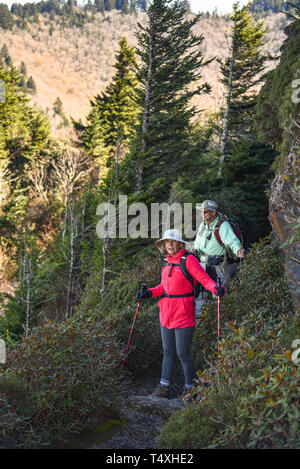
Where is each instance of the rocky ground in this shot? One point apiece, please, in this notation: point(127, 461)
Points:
point(143, 415)
point(138, 417)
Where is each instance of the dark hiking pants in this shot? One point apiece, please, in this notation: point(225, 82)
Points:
point(177, 342)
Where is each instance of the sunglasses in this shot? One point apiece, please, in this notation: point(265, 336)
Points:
point(205, 211)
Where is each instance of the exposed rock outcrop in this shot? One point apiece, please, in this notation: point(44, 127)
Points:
point(284, 215)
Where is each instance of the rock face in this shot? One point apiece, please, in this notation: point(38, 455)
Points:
point(284, 214)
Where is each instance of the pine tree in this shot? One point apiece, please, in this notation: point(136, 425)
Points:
point(58, 107)
point(23, 131)
point(278, 106)
point(5, 58)
point(241, 73)
point(114, 113)
point(31, 86)
point(171, 61)
point(142, 4)
point(6, 18)
point(23, 68)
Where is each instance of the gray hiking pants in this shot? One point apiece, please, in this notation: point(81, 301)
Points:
point(177, 342)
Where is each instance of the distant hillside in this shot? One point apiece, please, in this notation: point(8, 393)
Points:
point(74, 64)
point(271, 5)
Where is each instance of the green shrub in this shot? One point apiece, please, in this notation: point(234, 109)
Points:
point(71, 370)
point(259, 295)
point(190, 427)
point(118, 305)
point(145, 349)
point(268, 417)
point(15, 409)
point(15, 430)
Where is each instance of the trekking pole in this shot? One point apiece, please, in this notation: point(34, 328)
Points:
point(144, 288)
point(219, 301)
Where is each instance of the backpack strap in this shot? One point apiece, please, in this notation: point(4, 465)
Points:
point(184, 268)
point(216, 232)
point(185, 272)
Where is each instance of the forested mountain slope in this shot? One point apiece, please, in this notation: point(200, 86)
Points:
point(75, 63)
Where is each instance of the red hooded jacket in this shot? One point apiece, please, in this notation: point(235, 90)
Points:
point(176, 313)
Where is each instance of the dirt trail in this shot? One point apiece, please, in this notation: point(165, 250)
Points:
point(143, 415)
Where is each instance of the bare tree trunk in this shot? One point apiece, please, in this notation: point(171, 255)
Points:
point(105, 250)
point(71, 261)
point(228, 104)
point(67, 203)
point(146, 116)
point(83, 212)
point(28, 290)
point(117, 152)
point(26, 280)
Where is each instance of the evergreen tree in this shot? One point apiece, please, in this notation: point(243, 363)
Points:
point(241, 73)
point(24, 132)
point(114, 113)
point(31, 86)
point(142, 5)
point(171, 60)
point(6, 18)
point(109, 4)
point(278, 106)
point(5, 59)
point(23, 68)
point(58, 107)
point(13, 114)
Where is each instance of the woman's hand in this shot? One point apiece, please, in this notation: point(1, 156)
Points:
point(143, 294)
point(220, 291)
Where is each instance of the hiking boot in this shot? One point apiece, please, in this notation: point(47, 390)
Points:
point(161, 391)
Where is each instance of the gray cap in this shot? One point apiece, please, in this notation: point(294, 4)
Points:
point(208, 205)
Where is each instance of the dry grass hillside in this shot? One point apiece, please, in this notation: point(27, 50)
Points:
point(76, 63)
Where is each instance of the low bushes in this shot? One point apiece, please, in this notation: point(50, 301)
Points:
point(269, 416)
point(253, 397)
point(118, 306)
point(66, 372)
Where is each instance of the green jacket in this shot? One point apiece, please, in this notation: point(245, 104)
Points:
point(207, 245)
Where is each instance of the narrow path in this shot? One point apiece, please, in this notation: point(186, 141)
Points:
point(143, 415)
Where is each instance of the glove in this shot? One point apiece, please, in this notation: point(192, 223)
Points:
point(141, 295)
point(220, 291)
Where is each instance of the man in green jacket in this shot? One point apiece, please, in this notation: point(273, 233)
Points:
point(214, 257)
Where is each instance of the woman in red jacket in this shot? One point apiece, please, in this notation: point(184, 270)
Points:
point(177, 308)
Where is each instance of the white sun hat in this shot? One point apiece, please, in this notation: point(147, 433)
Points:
point(176, 235)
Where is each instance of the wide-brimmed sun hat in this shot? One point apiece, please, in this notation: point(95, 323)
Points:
point(208, 205)
point(176, 235)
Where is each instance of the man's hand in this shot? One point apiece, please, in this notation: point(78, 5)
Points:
point(241, 253)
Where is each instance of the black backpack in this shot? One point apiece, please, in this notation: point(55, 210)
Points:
point(197, 288)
